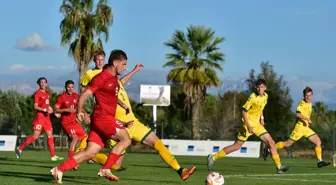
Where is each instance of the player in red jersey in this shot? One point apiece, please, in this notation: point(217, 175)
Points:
point(104, 86)
point(41, 120)
point(66, 105)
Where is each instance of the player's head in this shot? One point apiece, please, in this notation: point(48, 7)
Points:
point(69, 86)
point(118, 60)
point(261, 86)
point(308, 94)
point(42, 82)
point(99, 58)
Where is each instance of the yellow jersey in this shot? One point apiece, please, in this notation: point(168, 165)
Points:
point(120, 112)
point(305, 109)
point(86, 79)
point(255, 105)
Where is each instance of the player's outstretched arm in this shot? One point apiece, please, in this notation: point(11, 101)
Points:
point(129, 75)
point(124, 106)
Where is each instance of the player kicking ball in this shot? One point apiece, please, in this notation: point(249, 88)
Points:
point(141, 133)
point(103, 125)
point(41, 120)
point(253, 123)
point(302, 129)
point(66, 107)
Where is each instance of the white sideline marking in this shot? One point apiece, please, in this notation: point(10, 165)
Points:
point(282, 179)
point(281, 175)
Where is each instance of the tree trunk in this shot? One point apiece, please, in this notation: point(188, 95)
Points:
point(195, 121)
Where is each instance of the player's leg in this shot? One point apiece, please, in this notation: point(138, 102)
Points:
point(118, 165)
point(92, 149)
point(295, 135)
point(152, 140)
point(73, 143)
point(243, 135)
point(266, 137)
point(51, 146)
point(314, 138)
point(124, 141)
point(82, 145)
point(37, 131)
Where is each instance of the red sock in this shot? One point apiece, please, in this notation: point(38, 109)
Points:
point(71, 153)
point(111, 160)
point(67, 165)
point(51, 146)
point(27, 142)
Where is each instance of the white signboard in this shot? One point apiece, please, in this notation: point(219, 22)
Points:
point(250, 149)
point(155, 95)
point(7, 142)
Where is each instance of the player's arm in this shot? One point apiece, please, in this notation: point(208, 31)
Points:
point(36, 107)
point(247, 107)
point(84, 82)
point(58, 104)
point(129, 75)
point(124, 106)
point(299, 115)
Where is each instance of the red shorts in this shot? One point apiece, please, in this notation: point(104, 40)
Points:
point(102, 130)
point(74, 129)
point(40, 123)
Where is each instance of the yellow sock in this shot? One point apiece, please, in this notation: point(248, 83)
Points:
point(115, 167)
point(166, 156)
point(100, 158)
point(279, 145)
point(276, 159)
point(82, 145)
point(219, 154)
point(318, 153)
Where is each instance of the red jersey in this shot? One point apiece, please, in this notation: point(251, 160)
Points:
point(105, 88)
point(41, 97)
point(65, 101)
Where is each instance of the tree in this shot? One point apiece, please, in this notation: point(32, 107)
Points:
point(279, 118)
point(194, 63)
point(81, 28)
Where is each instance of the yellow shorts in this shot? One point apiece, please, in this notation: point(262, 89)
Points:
point(138, 132)
point(244, 134)
point(299, 131)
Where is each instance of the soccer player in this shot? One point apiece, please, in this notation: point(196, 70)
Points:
point(98, 59)
point(66, 105)
point(41, 120)
point(103, 126)
point(253, 123)
point(302, 128)
point(141, 133)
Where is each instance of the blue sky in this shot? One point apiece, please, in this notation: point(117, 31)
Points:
point(298, 37)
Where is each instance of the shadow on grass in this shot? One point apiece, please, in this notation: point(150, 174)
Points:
point(43, 177)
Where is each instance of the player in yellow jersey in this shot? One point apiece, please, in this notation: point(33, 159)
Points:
point(141, 133)
point(252, 123)
point(302, 128)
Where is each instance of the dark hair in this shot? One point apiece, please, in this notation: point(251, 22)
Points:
point(116, 55)
point(68, 82)
point(307, 90)
point(41, 78)
point(98, 53)
point(260, 82)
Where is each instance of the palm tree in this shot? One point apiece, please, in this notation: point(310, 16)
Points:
point(194, 63)
point(82, 28)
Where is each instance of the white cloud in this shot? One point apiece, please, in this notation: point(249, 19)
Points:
point(19, 68)
point(32, 42)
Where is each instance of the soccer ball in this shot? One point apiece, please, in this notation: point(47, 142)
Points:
point(215, 178)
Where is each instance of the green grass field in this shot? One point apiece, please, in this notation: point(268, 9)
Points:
point(148, 169)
